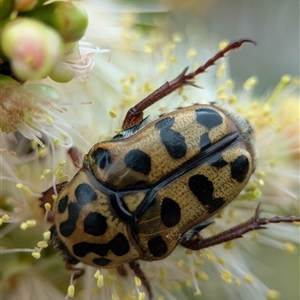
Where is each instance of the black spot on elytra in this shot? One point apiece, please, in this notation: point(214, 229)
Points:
point(203, 189)
point(64, 251)
point(119, 245)
point(172, 140)
point(83, 248)
point(138, 160)
point(218, 161)
point(101, 261)
point(95, 224)
point(170, 212)
point(63, 204)
point(157, 246)
point(215, 204)
point(84, 194)
point(208, 117)
point(165, 123)
point(67, 227)
point(240, 168)
point(205, 141)
point(102, 157)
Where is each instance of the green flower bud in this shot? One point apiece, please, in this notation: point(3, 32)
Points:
point(62, 73)
point(22, 5)
point(6, 7)
point(32, 47)
point(69, 19)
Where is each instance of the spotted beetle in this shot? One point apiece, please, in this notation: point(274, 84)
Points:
point(153, 186)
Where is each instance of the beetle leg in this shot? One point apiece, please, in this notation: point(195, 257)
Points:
point(135, 113)
point(135, 267)
point(122, 271)
point(76, 156)
point(47, 198)
point(47, 195)
point(235, 232)
point(78, 272)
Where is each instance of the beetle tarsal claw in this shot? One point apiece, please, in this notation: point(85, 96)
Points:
point(135, 267)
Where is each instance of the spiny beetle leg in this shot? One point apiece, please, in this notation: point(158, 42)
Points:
point(47, 198)
point(135, 267)
point(237, 231)
point(78, 272)
point(122, 271)
point(76, 156)
point(135, 114)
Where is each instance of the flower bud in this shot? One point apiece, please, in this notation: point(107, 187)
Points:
point(32, 47)
point(62, 72)
point(6, 7)
point(69, 19)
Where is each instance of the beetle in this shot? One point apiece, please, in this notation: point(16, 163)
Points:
point(154, 185)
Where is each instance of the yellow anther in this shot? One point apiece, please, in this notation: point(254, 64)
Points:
point(289, 247)
point(5, 218)
point(100, 281)
point(56, 142)
point(148, 87)
point(31, 223)
point(226, 276)
point(238, 281)
point(42, 152)
point(54, 197)
point(62, 178)
point(209, 255)
point(46, 172)
point(148, 49)
point(42, 244)
point(199, 263)
point(180, 263)
point(71, 290)
point(228, 245)
point(33, 144)
point(23, 226)
point(260, 174)
point(198, 292)
point(184, 97)
point(272, 294)
point(221, 260)
point(112, 113)
point(47, 235)
point(191, 53)
point(202, 275)
point(137, 281)
point(223, 44)
point(177, 37)
point(162, 67)
point(49, 119)
point(36, 254)
point(142, 296)
point(232, 99)
point(172, 59)
point(97, 274)
point(162, 272)
point(176, 285)
point(115, 296)
point(47, 206)
point(230, 83)
point(250, 83)
point(248, 278)
point(221, 90)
